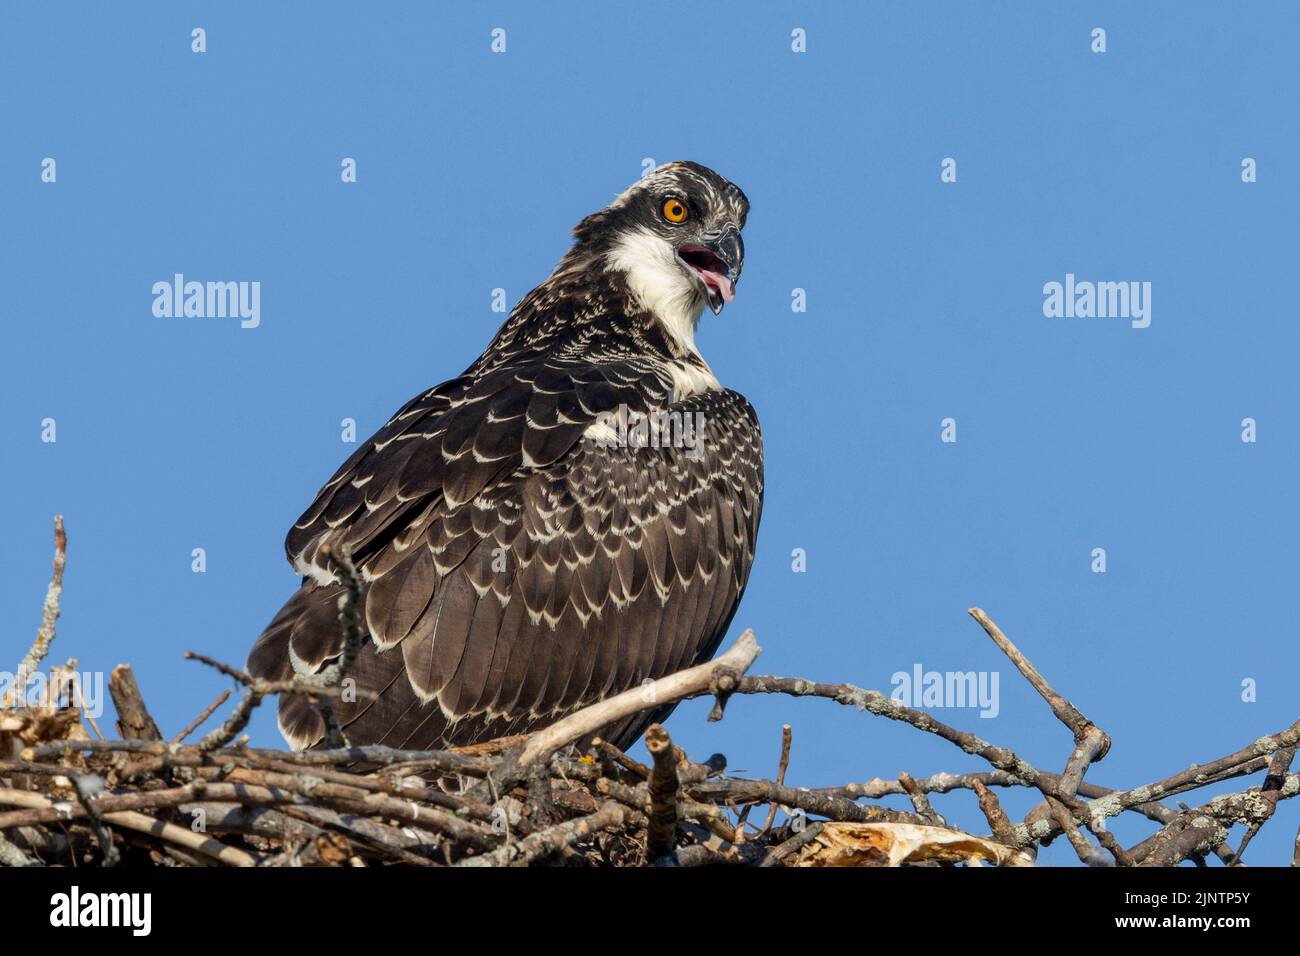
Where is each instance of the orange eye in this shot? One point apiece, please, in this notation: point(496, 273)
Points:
point(674, 210)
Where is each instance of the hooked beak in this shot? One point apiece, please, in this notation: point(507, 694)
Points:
point(716, 264)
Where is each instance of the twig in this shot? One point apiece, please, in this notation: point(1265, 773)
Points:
point(1087, 853)
point(298, 684)
point(767, 791)
point(206, 845)
point(712, 850)
point(1191, 834)
point(488, 747)
point(1199, 830)
point(133, 719)
point(441, 760)
point(920, 802)
point(1088, 751)
point(87, 787)
point(787, 735)
point(635, 767)
point(538, 845)
point(358, 800)
point(662, 834)
point(234, 724)
point(208, 711)
point(79, 700)
point(783, 851)
point(1065, 712)
point(49, 614)
point(132, 820)
point(666, 690)
point(1107, 839)
point(1271, 791)
point(379, 838)
point(874, 702)
point(993, 812)
point(1197, 775)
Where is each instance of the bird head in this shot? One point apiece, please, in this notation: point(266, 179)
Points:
point(675, 234)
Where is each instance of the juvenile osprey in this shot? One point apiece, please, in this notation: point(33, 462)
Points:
point(524, 552)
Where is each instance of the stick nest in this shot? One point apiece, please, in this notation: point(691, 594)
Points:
point(560, 796)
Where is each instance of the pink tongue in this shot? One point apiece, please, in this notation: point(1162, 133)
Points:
point(721, 283)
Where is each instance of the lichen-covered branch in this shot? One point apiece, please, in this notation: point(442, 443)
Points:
point(31, 662)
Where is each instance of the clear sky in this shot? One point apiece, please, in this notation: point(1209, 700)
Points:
point(924, 302)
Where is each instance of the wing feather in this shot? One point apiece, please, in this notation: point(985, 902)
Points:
point(515, 570)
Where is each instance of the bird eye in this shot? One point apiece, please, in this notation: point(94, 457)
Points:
point(674, 210)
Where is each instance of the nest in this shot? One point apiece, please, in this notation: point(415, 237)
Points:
point(72, 800)
point(559, 796)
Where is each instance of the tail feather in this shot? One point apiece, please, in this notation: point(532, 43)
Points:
point(306, 636)
point(303, 637)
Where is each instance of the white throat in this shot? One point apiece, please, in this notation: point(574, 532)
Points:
point(656, 279)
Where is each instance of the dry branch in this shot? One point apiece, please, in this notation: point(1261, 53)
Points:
point(133, 720)
point(663, 786)
point(1066, 712)
point(692, 682)
point(31, 662)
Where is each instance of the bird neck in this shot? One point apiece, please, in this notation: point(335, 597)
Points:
point(584, 308)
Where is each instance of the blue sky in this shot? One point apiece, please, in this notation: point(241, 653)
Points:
point(924, 302)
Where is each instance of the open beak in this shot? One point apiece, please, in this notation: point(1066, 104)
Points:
point(716, 264)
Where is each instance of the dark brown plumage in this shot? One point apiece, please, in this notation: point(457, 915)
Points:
point(518, 561)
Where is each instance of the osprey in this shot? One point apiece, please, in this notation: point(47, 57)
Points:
point(526, 545)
